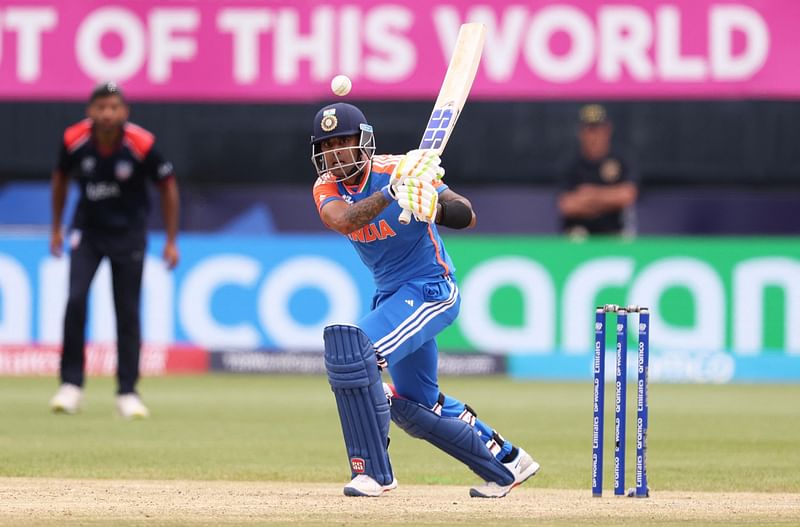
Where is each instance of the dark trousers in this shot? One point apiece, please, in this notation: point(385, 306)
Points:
point(125, 251)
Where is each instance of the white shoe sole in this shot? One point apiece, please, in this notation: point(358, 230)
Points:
point(67, 400)
point(358, 493)
point(531, 471)
point(130, 407)
point(135, 417)
point(63, 409)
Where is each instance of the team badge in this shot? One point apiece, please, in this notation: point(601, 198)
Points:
point(165, 169)
point(88, 164)
point(610, 170)
point(329, 122)
point(123, 170)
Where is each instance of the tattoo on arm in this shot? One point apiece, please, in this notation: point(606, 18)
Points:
point(363, 212)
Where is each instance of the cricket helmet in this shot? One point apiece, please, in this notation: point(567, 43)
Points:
point(340, 120)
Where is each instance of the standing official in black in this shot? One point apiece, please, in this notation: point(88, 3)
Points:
point(599, 187)
point(112, 160)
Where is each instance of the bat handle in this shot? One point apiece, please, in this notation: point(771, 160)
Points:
point(405, 217)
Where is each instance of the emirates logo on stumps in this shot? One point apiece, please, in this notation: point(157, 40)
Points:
point(357, 465)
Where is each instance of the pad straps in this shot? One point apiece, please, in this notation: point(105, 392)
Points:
point(454, 435)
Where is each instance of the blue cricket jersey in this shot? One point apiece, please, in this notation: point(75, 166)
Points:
point(395, 253)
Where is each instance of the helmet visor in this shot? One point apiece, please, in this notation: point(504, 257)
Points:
point(343, 163)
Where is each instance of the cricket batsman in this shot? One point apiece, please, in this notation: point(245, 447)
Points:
point(361, 195)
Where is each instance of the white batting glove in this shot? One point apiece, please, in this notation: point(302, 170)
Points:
point(421, 164)
point(418, 197)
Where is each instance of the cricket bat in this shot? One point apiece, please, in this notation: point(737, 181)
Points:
point(454, 91)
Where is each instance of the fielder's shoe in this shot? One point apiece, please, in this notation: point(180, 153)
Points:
point(363, 485)
point(523, 467)
point(130, 406)
point(67, 399)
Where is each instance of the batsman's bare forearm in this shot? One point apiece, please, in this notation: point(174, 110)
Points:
point(346, 218)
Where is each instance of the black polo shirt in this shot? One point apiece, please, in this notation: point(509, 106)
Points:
point(610, 170)
point(113, 184)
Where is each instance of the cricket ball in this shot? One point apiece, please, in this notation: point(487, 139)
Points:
point(340, 85)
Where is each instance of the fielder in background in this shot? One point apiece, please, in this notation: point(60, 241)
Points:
point(598, 187)
point(360, 195)
point(112, 160)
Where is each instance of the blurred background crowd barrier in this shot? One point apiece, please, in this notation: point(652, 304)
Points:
point(703, 96)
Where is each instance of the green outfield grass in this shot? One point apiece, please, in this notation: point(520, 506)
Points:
point(284, 428)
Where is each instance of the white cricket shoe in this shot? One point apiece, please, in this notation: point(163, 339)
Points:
point(67, 399)
point(130, 406)
point(523, 467)
point(363, 485)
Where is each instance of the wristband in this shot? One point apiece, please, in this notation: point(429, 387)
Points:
point(455, 214)
point(389, 193)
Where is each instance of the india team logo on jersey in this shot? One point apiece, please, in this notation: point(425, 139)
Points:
point(123, 170)
point(371, 232)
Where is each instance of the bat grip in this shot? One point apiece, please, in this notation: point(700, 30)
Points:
point(405, 217)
